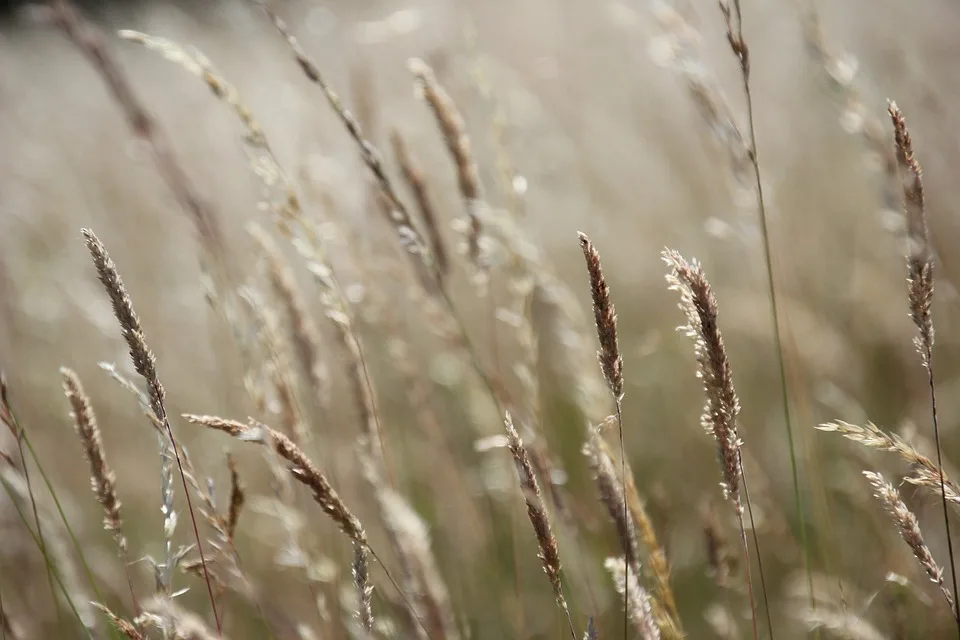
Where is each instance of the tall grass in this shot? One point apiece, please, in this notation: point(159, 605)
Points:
point(400, 442)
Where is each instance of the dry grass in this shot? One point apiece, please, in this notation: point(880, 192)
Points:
point(287, 270)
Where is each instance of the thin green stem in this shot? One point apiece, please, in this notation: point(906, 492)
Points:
point(740, 49)
point(66, 522)
point(928, 356)
point(626, 514)
point(746, 567)
point(41, 543)
point(756, 544)
point(50, 568)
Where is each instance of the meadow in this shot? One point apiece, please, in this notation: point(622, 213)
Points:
point(441, 320)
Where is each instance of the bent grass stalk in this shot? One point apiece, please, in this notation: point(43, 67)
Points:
point(920, 295)
point(145, 364)
point(8, 416)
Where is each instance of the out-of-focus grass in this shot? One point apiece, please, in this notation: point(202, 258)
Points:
point(606, 141)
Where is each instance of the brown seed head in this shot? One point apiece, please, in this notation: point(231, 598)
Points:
point(606, 319)
point(723, 406)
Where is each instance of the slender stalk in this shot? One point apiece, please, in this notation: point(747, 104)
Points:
point(611, 363)
point(90, 42)
point(36, 518)
point(8, 418)
point(145, 364)
point(12, 494)
point(723, 405)
point(756, 545)
point(943, 488)
point(537, 512)
point(920, 282)
point(742, 51)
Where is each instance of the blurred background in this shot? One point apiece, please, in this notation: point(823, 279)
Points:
point(613, 118)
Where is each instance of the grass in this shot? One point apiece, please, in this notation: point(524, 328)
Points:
point(447, 445)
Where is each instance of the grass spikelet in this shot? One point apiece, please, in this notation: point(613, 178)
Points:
point(306, 336)
point(103, 479)
point(722, 406)
point(925, 472)
point(906, 523)
point(303, 470)
point(919, 254)
point(612, 497)
point(417, 182)
point(360, 569)
point(454, 132)
point(920, 295)
point(669, 618)
point(611, 362)
point(276, 361)
point(186, 625)
point(637, 599)
point(238, 497)
point(622, 509)
point(537, 512)
point(145, 364)
point(122, 625)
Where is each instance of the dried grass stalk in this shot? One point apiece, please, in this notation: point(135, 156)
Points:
point(638, 600)
point(432, 610)
point(186, 625)
point(626, 522)
point(537, 512)
point(856, 118)
point(90, 42)
point(454, 131)
point(122, 625)
point(306, 336)
point(145, 364)
point(416, 180)
point(104, 481)
point(605, 315)
point(920, 296)
point(723, 406)
point(925, 471)
point(919, 253)
point(360, 567)
point(906, 523)
point(669, 617)
point(303, 470)
point(291, 219)
point(238, 497)
point(410, 237)
point(277, 363)
point(612, 497)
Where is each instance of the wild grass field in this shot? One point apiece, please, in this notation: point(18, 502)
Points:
point(325, 319)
